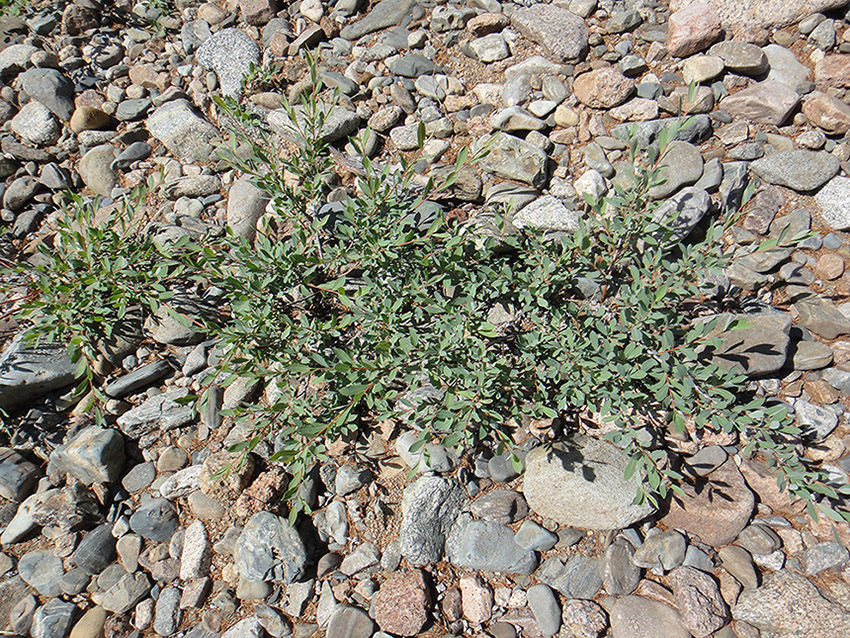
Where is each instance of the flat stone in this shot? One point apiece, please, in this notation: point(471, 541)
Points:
point(824, 556)
point(821, 317)
point(578, 578)
point(155, 520)
point(51, 88)
point(561, 33)
point(18, 476)
point(758, 349)
point(787, 69)
point(636, 617)
point(738, 562)
point(246, 628)
point(620, 574)
point(546, 213)
point(159, 411)
point(716, 510)
point(43, 571)
point(662, 551)
point(768, 102)
point(833, 71)
point(96, 551)
point(787, 604)
point(741, 57)
point(682, 211)
point(384, 14)
point(349, 622)
point(799, 170)
point(580, 484)
point(828, 113)
point(270, 549)
point(681, 166)
point(544, 605)
point(500, 506)
point(487, 546)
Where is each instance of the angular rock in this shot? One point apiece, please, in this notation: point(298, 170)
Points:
point(96, 551)
point(768, 102)
point(715, 509)
point(741, 57)
point(124, 594)
point(53, 619)
point(429, 509)
point(799, 170)
point(786, 68)
point(546, 213)
point(35, 123)
point(94, 455)
point(403, 604)
point(828, 113)
point(692, 29)
point(701, 607)
point(155, 520)
point(349, 622)
point(561, 33)
point(832, 199)
point(160, 411)
point(681, 166)
point(43, 571)
point(580, 484)
point(787, 604)
point(833, 71)
point(513, 158)
point(603, 88)
point(269, 549)
point(18, 476)
point(182, 131)
point(52, 89)
point(759, 348)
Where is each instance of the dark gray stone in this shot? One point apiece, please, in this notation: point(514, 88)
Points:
point(52, 89)
point(94, 455)
point(155, 520)
point(28, 372)
point(96, 550)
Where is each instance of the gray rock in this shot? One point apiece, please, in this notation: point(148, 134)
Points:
point(349, 622)
point(159, 411)
point(662, 551)
point(95, 168)
point(620, 575)
point(182, 483)
point(20, 619)
point(182, 131)
point(139, 477)
point(788, 605)
point(167, 614)
point(561, 33)
point(759, 348)
point(759, 539)
point(787, 69)
point(516, 118)
point(230, 53)
point(820, 316)
point(413, 65)
point(136, 152)
point(816, 421)
point(36, 124)
point(350, 478)
point(192, 186)
point(800, 170)
point(580, 483)
point(245, 205)
point(94, 455)
point(429, 509)
point(20, 192)
point(96, 551)
point(42, 570)
point(578, 578)
point(366, 558)
point(811, 355)
point(513, 158)
point(132, 110)
point(155, 520)
point(138, 379)
point(15, 58)
point(439, 459)
point(680, 166)
point(124, 594)
point(28, 373)
point(270, 549)
point(637, 617)
point(701, 607)
point(384, 14)
point(51, 88)
point(246, 628)
point(500, 506)
point(532, 536)
point(646, 133)
point(546, 213)
point(53, 619)
point(490, 48)
point(487, 546)
point(741, 57)
point(823, 556)
point(544, 605)
point(17, 475)
point(683, 211)
point(339, 123)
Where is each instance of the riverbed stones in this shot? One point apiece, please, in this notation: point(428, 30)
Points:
point(580, 483)
point(95, 455)
point(801, 170)
point(429, 508)
point(487, 546)
point(182, 131)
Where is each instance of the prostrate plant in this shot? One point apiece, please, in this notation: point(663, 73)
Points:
point(101, 269)
point(380, 307)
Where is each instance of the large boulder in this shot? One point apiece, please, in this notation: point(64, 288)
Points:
point(580, 483)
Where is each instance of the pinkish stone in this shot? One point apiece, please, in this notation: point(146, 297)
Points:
point(692, 29)
point(403, 604)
